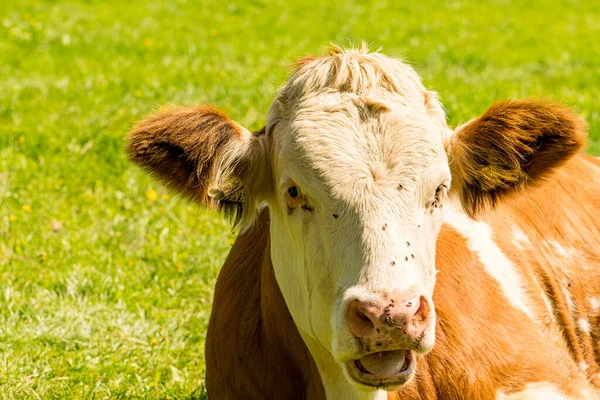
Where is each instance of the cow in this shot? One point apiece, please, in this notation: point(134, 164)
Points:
point(384, 254)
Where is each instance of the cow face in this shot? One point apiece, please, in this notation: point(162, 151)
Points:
point(360, 177)
point(355, 164)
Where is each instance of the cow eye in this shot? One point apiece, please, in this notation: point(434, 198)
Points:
point(438, 197)
point(293, 192)
point(295, 199)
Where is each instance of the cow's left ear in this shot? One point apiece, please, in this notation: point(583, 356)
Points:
point(512, 145)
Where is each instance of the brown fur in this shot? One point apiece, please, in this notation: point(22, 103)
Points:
point(511, 145)
point(482, 343)
point(186, 146)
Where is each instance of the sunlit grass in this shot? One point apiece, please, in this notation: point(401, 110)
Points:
point(106, 279)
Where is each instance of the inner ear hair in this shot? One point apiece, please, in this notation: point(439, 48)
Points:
point(512, 145)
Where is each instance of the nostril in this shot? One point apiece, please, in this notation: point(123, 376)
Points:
point(361, 321)
point(361, 313)
point(423, 311)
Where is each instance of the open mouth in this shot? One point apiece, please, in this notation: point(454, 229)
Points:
point(383, 369)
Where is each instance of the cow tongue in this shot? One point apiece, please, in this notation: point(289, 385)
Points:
point(384, 364)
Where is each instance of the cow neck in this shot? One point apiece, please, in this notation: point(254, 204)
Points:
point(279, 329)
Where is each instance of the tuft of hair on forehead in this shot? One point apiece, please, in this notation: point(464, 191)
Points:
point(354, 70)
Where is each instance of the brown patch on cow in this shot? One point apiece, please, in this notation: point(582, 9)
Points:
point(512, 144)
point(249, 317)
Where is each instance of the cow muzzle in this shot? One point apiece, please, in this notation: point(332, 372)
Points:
point(390, 331)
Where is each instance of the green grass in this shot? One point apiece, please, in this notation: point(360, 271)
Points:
point(105, 293)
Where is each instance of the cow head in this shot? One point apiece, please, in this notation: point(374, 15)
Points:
point(355, 164)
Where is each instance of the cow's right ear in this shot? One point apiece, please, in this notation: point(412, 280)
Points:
point(203, 155)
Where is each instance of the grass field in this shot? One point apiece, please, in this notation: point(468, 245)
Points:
point(106, 279)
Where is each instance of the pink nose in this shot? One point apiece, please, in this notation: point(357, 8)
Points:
point(388, 318)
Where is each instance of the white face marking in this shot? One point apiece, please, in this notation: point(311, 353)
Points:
point(358, 141)
point(369, 185)
point(479, 238)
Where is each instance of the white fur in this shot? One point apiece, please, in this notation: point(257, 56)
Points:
point(535, 391)
point(479, 238)
point(584, 325)
point(594, 303)
point(564, 252)
point(520, 239)
point(569, 299)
